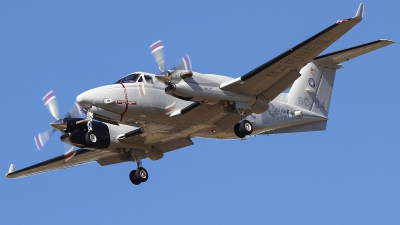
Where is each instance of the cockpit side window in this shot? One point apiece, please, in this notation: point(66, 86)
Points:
point(131, 78)
point(149, 79)
point(140, 79)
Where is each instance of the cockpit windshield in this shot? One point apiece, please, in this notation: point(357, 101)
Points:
point(132, 78)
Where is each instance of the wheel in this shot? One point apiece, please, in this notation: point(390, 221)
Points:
point(90, 138)
point(245, 127)
point(141, 174)
point(133, 179)
point(237, 132)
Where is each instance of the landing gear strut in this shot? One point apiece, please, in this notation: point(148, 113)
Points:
point(90, 137)
point(244, 127)
point(140, 174)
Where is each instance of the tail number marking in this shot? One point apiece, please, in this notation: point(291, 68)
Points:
point(306, 102)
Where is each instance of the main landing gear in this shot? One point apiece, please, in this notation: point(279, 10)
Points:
point(140, 174)
point(244, 127)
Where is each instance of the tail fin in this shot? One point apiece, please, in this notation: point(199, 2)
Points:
point(313, 89)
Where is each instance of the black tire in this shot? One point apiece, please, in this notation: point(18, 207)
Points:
point(237, 132)
point(133, 179)
point(141, 174)
point(90, 138)
point(246, 127)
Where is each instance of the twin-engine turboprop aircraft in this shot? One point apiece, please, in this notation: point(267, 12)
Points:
point(145, 115)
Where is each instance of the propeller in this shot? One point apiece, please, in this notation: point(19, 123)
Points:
point(50, 102)
point(157, 50)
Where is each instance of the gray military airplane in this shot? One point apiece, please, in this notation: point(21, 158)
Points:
point(145, 115)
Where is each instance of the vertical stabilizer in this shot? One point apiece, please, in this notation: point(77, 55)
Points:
point(313, 89)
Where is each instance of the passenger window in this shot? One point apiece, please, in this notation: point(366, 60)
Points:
point(149, 79)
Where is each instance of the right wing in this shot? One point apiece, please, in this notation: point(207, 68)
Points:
point(82, 156)
point(104, 158)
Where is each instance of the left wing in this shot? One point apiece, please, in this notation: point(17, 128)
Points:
point(274, 76)
point(81, 156)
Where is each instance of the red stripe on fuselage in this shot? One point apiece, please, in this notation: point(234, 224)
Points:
point(141, 89)
point(126, 101)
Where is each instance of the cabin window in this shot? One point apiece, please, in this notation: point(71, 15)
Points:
point(149, 79)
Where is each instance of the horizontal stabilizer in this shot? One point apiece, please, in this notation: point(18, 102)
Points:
point(353, 52)
point(318, 126)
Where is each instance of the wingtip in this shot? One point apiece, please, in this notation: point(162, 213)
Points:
point(360, 12)
point(387, 41)
point(10, 170)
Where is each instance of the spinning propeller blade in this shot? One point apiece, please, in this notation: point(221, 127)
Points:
point(69, 152)
point(75, 111)
point(50, 102)
point(157, 49)
point(184, 64)
point(42, 138)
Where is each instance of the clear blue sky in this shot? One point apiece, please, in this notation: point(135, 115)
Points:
point(349, 174)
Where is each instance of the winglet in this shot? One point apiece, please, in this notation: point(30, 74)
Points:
point(360, 12)
point(11, 169)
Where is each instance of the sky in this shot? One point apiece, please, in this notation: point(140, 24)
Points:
point(349, 174)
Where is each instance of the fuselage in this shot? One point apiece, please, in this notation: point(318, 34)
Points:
point(143, 102)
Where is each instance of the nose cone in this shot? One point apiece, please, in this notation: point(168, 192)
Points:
point(85, 99)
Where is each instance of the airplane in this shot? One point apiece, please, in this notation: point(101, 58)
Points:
point(145, 115)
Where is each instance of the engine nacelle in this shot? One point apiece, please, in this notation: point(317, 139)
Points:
point(189, 90)
point(80, 136)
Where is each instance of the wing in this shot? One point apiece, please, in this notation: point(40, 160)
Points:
point(81, 156)
point(276, 75)
point(104, 158)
